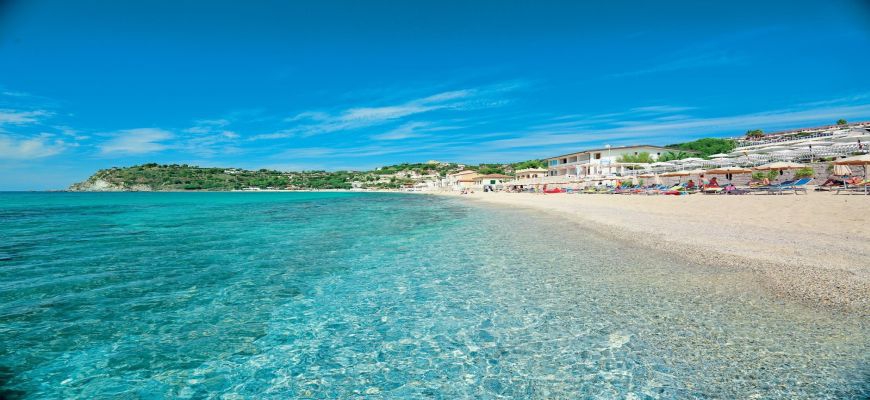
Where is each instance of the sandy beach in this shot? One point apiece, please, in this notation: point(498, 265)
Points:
point(814, 248)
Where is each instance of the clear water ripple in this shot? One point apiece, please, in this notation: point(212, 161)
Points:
point(336, 295)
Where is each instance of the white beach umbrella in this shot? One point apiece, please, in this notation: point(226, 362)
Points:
point(720, 155)
point(691, 159)
point(784, 154)
point(779, 166)
point(862, 160)
point(850, 138)
point(771, 149)
point(675, 173)
point(729, 170)
point(662, 164)
point(815, 143)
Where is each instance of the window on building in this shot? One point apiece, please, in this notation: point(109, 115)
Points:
point(492, 181)
point(597, 156)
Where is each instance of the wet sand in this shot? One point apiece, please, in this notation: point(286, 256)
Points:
point(814, 248)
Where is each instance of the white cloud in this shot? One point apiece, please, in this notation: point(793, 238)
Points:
point(12, 93)
point(412, 129)
point(15, 117)
point(12, 148)
point(319, 122)
point(657, 128)
point(660, 109)
point(207, 125)
point(710, 59)
point(220, 122)
point(137, 141)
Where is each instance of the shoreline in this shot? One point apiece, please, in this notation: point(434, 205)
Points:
point(814, 249)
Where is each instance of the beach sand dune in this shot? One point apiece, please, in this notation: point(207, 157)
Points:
point(815, 248)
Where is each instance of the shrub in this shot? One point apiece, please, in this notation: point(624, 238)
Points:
point(642, 157)
point(805, 172)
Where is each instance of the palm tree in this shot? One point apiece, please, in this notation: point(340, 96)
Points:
point(754, 133)
point(673, 155)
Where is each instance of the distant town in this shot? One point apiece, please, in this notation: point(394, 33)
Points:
point(607, 163)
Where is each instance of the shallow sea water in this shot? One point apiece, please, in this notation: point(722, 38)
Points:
point(342, 295)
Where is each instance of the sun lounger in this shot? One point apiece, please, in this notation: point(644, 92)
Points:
point(799, 185)
point(861, 188)
point(769, 188)
point(734, 190)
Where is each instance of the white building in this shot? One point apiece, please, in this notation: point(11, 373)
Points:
point(461, 180)
point(490, 180)
point(530, 173)
point(603, 161)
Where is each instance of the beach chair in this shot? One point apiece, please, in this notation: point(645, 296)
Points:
point(859, 188)
point(713, 190)
point(770, 188)
point(731, 190)
point(658, 189)
point(799, 186)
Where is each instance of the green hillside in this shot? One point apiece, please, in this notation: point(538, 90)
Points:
point(176, 177)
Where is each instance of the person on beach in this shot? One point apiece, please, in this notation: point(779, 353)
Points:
point(713, 183)
point(690, 184)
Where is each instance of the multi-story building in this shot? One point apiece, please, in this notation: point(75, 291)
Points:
point(604, 161)
point(530, 173)
point(461, 180)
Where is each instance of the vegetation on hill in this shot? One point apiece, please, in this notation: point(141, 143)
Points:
point(154, 176)
point(186, 177)
point(705, 147)
point(642, 157)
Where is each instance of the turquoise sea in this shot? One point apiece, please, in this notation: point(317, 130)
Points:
point(360, 295)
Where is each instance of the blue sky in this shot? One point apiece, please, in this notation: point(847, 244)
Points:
point(352, 85)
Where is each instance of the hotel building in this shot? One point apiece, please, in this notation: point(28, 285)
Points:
point(602, 161)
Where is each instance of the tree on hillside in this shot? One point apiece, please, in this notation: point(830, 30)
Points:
point(529, 164)
point(673, 155)
point(707, 146)
point(841, 122)
point(754, 134)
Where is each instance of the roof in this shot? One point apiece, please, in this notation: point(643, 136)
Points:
point(622, 148)
point(531, 170)
point(464, 172)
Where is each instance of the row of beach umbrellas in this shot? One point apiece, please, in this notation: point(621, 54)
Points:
point(840, 168)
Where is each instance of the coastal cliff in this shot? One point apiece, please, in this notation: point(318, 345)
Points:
point(94, 184)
